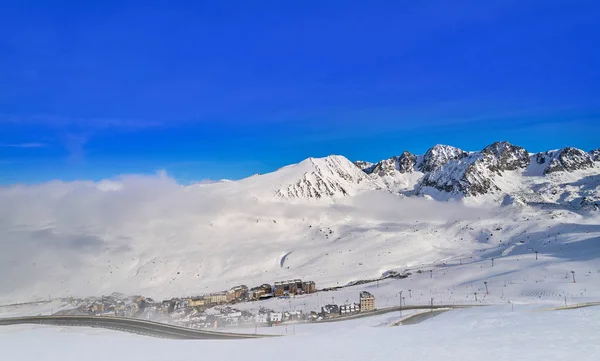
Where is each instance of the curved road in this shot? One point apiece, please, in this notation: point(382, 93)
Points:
point(419, 317)
point(141, 327)
point(382, 311)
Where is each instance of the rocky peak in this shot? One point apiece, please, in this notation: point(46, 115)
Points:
point(440, 155)
point(366, 167)
point(405, 163)
point(474, 174)
point(595, 154)
point(565, 160)
point(503, 156)
point(328, 177)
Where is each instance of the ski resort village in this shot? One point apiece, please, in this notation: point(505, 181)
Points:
point(217, 310)
point(451, 245)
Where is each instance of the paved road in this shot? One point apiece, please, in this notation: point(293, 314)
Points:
point(572, 307)
point(419, 317)
point(156, 329)
point(141, 327)
point(382, 311)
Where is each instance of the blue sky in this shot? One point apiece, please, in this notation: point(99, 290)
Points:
point(225, 89)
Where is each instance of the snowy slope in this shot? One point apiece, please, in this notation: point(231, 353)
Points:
point(502, 173)
point(313, 179)
point(322, 219)
point(495, 333)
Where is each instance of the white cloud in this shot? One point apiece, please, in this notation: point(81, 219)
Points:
point(134, 233)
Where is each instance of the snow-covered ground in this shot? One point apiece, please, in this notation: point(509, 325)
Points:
point(155, 237)
point(490, 333)
point(322, 220)
point(41, 309)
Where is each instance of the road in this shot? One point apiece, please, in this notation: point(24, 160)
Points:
point(419, 317)
point(382, 311)
point(162, 330)
point(141, 327)
point(572, 307)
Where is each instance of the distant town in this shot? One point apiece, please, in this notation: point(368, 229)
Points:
point(217, 310)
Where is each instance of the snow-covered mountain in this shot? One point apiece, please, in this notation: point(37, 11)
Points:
point(498, 171)
point(565, 160)
point(333, 176)
point(323, 219)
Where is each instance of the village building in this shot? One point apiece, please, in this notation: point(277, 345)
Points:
point(293, 287)
point(330, 311)
point(275, 317)
point(367, 301)
point(256, 293)
point(216, 298)
point(196, 302)
point(309, 287)
point(349, 308)
point(97, 307)
point(236, 293)
point(262, 318)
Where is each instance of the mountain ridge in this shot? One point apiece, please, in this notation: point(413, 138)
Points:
point(444, 172)
point(333, 222)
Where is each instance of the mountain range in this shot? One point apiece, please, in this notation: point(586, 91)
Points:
point(501, 172)
point(328, 219)
point(456, 172)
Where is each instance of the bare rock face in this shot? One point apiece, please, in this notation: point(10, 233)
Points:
point(452, 170)
point(440, 155)
point(473, 174)
point(366, 167)
point(405, 163)
point(565, 160)
point(330, 177)
point(503, 156)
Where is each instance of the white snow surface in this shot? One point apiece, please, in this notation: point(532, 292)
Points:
point(324, 220)
point(150, 235)
point(491, 333)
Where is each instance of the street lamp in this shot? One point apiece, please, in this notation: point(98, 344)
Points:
point(400, 300)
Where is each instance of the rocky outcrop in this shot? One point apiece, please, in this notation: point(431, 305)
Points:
point(503, 156)
point(565, 160)
point(404, 163)
point(474, 174)
point(450, 169)
point(366, 167)
point(440, 155)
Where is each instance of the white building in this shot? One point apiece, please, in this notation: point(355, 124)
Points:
point(275, 316)
point(351, 308)
point(262, 318)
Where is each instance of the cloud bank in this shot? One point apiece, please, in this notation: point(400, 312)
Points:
point(152, 235)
